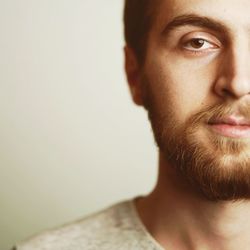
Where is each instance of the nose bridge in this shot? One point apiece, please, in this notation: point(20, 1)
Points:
point(238, 60)
point(236, 68)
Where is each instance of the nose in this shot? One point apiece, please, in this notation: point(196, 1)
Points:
point(234, 78)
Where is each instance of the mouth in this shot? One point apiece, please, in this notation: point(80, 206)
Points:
point(231, 126)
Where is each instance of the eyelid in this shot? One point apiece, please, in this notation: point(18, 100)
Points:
point(201, 35)
point(199, 38)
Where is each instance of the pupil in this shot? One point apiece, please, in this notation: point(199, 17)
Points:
point(197, 43)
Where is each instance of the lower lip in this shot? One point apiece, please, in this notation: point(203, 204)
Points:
point(234, 131)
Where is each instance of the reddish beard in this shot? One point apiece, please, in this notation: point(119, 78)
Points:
point(217, 167)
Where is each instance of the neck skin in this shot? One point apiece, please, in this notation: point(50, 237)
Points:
point(179, 218)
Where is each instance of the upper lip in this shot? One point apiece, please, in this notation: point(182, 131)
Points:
point(231, 120)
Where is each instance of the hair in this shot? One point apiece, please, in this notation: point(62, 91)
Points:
point(138, 18)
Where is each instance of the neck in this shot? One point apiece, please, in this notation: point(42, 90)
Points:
point(179, 218)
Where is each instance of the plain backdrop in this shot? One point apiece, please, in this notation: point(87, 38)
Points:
point(71, 140)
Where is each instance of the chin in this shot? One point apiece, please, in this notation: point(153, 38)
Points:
point(217, 167)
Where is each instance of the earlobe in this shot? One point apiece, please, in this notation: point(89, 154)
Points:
point(132, 69)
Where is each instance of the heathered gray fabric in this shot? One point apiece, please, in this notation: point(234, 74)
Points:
point(115, 228)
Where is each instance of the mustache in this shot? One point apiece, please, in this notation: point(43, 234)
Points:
point(218, 111)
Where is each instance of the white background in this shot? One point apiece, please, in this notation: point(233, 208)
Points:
point(71, 140)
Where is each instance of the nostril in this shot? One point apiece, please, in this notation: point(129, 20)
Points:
point(227, 92)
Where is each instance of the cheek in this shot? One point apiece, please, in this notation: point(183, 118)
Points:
point(182, 87)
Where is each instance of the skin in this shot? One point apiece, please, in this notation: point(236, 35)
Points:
point(175, 214)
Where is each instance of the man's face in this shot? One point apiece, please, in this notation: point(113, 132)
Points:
point(196, 87)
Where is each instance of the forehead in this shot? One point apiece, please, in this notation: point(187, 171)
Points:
point(232, 13)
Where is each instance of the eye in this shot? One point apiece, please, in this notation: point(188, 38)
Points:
point(198, 45)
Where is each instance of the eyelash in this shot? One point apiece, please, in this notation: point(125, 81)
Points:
point(197, 51)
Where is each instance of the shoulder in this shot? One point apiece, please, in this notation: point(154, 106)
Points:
point(96, 231)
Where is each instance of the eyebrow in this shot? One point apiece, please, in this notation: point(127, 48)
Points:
point(198, 21)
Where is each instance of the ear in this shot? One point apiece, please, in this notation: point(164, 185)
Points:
point(132, 69)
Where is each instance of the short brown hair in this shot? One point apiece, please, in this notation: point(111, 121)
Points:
point(137, 24)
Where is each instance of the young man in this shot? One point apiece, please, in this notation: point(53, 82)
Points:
point(187, 63)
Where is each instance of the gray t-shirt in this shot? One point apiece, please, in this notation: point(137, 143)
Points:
point(115, 228)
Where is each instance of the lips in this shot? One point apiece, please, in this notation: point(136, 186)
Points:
point(231, 120)
point(231, 126)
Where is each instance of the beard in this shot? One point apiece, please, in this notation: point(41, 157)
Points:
point(217, 167)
